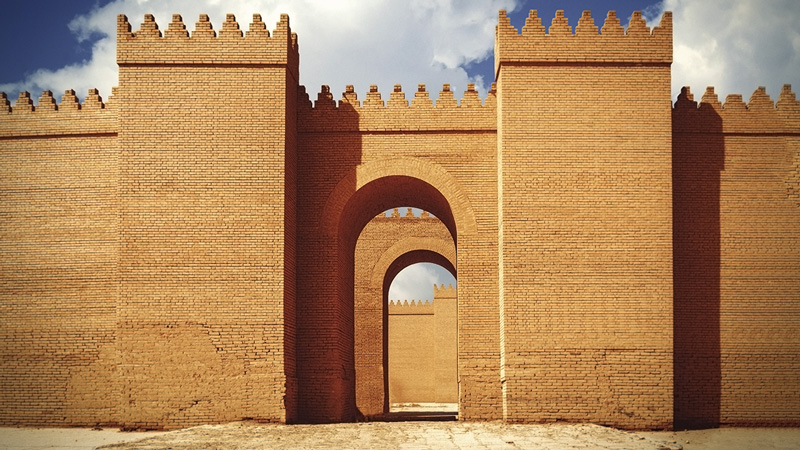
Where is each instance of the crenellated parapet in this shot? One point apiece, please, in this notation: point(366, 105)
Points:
point(610, 44)
point(204, 46)
point(413, 307)
point(409, 214)
point(440, 292)
point(760, 115)
point(397, 112)
point(49, 118)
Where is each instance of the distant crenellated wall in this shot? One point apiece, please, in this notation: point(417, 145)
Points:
point(422, 349)
point(737, 259)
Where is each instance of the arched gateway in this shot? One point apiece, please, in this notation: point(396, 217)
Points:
point(186, 252)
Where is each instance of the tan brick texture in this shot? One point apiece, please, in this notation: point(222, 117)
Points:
point(203, 246)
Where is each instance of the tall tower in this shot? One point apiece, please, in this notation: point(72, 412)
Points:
point(585, 214)
point(207, 199)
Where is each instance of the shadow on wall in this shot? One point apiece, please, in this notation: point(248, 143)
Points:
point(698, 155)
point(325, 361)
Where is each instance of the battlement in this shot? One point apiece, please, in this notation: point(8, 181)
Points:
point(760, 115)
point(415, 307)
point(50, 118)
point(409, 214)
point(176, 46)
point(397, 113)
point(611, 44)
point(444, 292)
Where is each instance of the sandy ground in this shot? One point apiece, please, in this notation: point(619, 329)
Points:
point(399, 435)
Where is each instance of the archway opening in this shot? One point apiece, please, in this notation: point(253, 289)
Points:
point(364, 281)
point(421, 341)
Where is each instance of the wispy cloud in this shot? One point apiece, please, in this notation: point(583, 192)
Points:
point(735, 46)
point(342, 41)
point(416, 282)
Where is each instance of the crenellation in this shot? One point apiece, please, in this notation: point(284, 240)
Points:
point(412, 307)
point(203, 46)
point(24, 104)
point(303, 100)
point(614, 44)
point(444, 292)
point(349, 97)
point(373, 99)
point(203, 28)
point(258, 29)
point(397, 99)
point(176, 29)
point(47, 102)
point(69, 101)
point(710, 98)
point(586, 26)
point(471, 98)
point(5, 105)
point(325, 98)
point(758, 116)
point(560, 25)
point(148, 28)
point(787, 99)
point(421, 98)
point(446, 98)
point(760, 101)
point(93, 101)
point(230, 28)
point(734, 102)
point(638, 26)
point(612, 26)
point(533, 24)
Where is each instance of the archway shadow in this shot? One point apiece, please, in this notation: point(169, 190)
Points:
point(698, 155)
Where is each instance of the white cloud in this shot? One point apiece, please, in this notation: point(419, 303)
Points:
point(342, 42)
point(735, 46)
point(416, 281)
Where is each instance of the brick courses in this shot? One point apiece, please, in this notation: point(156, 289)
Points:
point(187, 251)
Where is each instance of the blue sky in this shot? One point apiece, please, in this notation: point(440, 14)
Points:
point(734, 45)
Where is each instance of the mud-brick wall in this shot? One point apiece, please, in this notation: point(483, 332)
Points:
point(584, 170)
point(737, 259)
point(59, 224)
point(206, 305)
point(422, 349)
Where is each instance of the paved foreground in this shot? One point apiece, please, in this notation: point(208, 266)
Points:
point(400, 435)
point(397, 435)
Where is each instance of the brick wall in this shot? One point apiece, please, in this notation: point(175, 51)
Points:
point(59, 244)
point(737, 235)
point(584, 168)
point(422, 349)
point(187, 252)
point(386, 246)
point(359, 159)
point(206, 260)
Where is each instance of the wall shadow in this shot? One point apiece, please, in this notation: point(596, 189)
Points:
point(324, 323)
point(698, 155)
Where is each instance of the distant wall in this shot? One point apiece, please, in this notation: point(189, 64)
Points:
point(422, 350)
